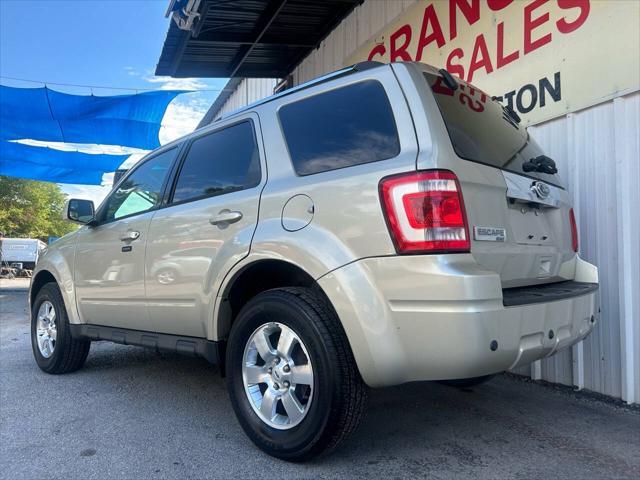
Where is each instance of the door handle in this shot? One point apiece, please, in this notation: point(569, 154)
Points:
point(130, 235)
point(225, 217)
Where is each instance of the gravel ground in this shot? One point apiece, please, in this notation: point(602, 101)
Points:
point(131, 413)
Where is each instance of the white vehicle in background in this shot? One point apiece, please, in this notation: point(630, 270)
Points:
point(21, 250)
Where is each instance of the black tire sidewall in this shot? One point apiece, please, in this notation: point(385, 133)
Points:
point(303, 439)
point(51, 293)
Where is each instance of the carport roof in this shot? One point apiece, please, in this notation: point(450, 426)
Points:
point(249, 38)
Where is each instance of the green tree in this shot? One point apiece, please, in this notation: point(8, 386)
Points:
point(31, 209)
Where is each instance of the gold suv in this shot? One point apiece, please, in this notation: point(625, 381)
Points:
point(379, 225)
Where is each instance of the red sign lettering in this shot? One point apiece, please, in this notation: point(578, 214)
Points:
point(430, 19)
point(531, 23)
point(537, 26)
point(401, 51)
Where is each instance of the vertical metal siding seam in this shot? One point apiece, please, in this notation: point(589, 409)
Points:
point(605, 326)
point(577, 351)
point(622, 153)
point(593, 341)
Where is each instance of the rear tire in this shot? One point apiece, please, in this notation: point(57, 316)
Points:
point(467, 382)
point(54, 349)
point(334, 396)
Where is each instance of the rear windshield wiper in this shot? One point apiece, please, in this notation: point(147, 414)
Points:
point(541, 164)
point(449, 81)
point(512, 113)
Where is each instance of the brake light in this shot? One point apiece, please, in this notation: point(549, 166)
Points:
point(574, 230)
point(425, 212)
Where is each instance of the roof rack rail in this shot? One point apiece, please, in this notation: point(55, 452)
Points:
point(357, 67)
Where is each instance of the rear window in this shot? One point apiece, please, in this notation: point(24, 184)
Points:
point(340, 128)
point(482, 131)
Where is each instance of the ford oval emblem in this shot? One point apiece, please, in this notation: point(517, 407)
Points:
point(541, 189)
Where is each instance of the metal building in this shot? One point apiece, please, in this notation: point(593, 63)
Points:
point(558, 63)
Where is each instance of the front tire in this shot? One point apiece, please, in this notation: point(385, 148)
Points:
point(287, 348)
point(54, 349)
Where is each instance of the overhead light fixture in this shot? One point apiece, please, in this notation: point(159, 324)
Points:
point(184, 13)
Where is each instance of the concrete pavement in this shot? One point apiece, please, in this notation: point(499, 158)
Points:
point(131, 413)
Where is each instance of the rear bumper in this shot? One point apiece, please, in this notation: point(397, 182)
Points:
point(411, 318)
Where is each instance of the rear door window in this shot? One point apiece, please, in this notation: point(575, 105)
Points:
point(481, 130)
point(220, 162)
point(340, 128)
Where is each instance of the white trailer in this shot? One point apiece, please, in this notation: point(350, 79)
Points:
point(20, 250)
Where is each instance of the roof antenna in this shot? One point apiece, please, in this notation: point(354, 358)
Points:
point(448, 79)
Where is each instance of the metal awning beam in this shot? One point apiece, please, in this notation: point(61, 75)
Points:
point(250, 38)
point(182, 46)
point(242, 39)
point(264, 22)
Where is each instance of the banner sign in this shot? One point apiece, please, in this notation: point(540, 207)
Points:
point(544, 58)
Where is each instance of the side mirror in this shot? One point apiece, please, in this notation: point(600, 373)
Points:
point(79, 211)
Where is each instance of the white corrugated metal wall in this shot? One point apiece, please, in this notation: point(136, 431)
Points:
point(598, 153)
point(353, 31)
point(249, 90)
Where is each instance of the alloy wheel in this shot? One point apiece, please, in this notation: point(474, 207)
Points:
point(278, 375)
point(46, 331)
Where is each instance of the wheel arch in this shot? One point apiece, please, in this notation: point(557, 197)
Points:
point(40, 280)
point(46, 273)
point(254, 278)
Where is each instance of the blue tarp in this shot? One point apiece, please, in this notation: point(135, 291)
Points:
point(44, 114)
point(47, 164)
point(33, 171)
point(14, 153)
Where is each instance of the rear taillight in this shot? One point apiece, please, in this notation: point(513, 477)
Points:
point(425, 212)
point(574, 230)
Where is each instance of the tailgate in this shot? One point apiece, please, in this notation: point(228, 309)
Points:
point(526, 241)
point(517, 208)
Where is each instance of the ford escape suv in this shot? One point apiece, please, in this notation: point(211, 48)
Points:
point(379, 225)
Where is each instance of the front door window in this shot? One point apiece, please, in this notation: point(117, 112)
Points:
point(141, 190)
